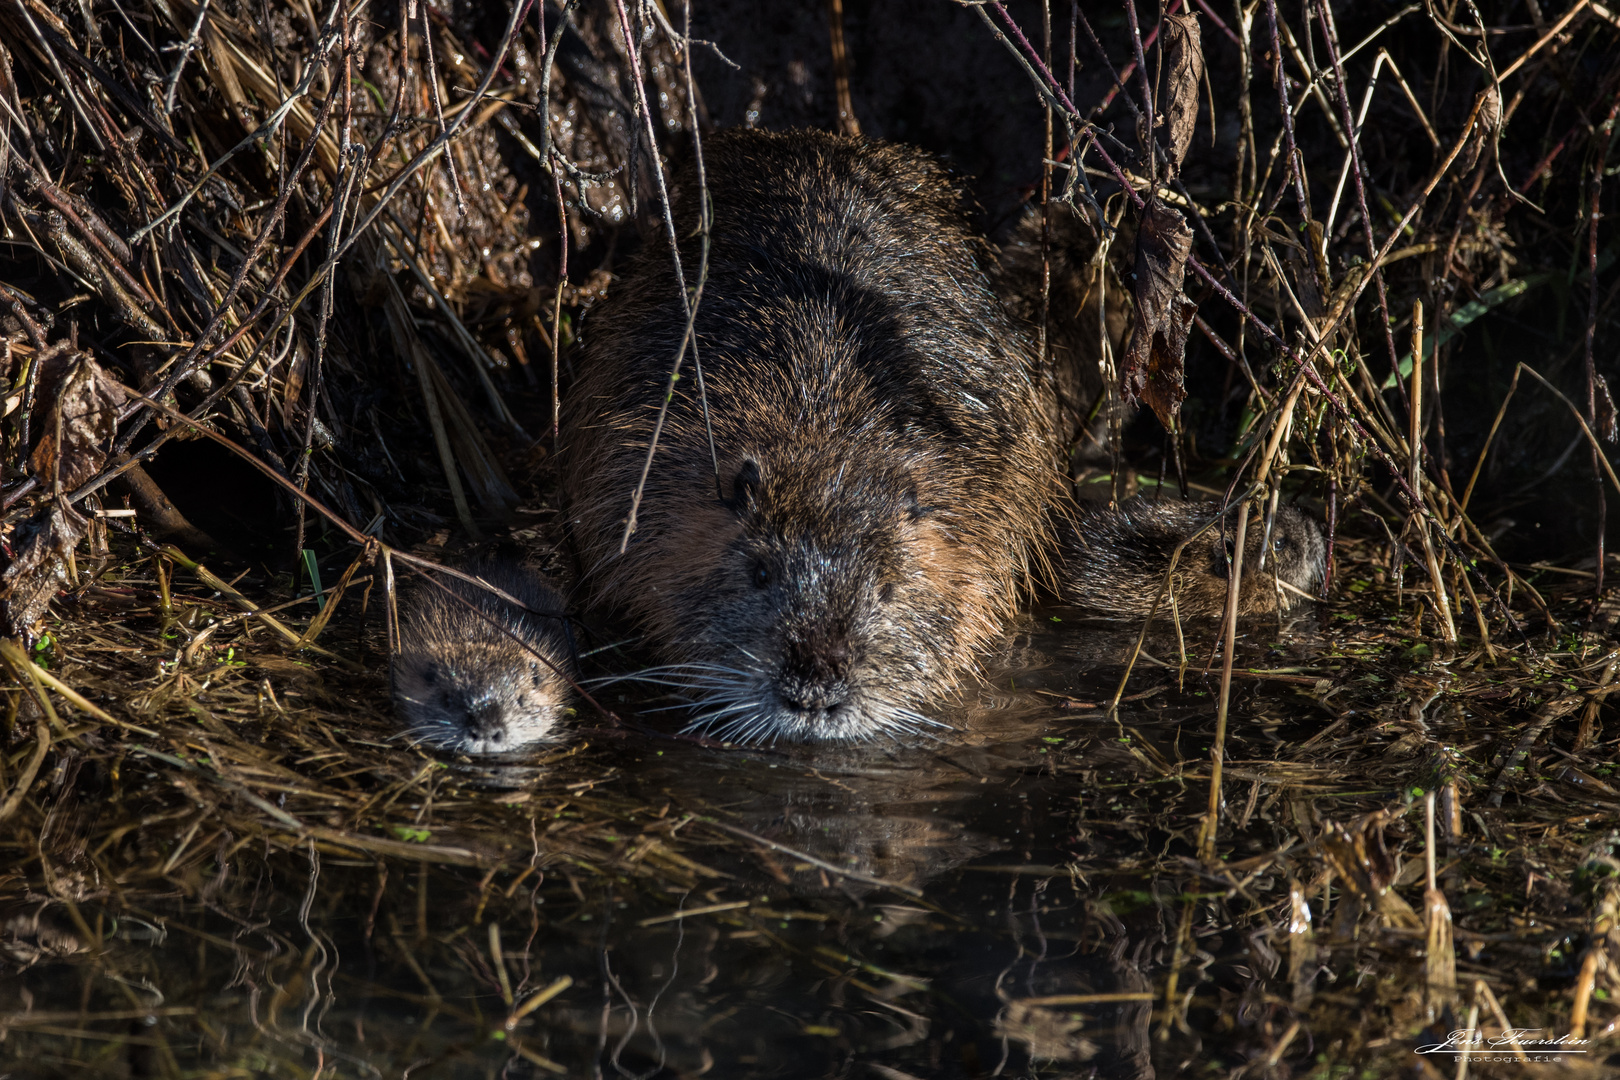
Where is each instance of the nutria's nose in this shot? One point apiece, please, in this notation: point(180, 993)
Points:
point(814, 699)
point(484, 720)
point(816, 661)
point(813, 673)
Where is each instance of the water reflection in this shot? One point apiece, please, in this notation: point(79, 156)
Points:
point(929, 911)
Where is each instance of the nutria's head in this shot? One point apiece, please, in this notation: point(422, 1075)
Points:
point(1293, 553)
point(1296, 549)
point(463, 684)
point(820, 598)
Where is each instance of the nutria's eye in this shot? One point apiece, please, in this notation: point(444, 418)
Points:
point(886, 593)
point(430, 674)
point(762, 575)
point(1279, 543)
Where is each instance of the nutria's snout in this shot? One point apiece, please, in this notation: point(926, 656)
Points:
point(463, 684)
point(814, 674)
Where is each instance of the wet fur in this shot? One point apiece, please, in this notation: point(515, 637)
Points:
point(1114, 561)
point(887, 471)
point(462, 684)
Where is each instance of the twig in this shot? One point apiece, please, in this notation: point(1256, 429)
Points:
point(185, 54)
point(831, 868)
point(1330, 35)
point(689, 303)
point(1593, 201)
point(1442, 603)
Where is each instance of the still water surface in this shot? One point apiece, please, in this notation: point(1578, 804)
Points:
point(1002, 902)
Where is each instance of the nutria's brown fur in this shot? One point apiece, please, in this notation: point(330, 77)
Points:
point(461, 681)
point(887, 469)
point(1114, 560)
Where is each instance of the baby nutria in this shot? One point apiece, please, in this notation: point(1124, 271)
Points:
point(886, 465)
point(475, 674)
point(1114, 560)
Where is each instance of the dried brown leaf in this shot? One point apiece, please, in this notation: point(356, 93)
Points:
point(1486, 126)
point(1364, 865)
point(1606, 425)
point(1184, 72)
point(1153, 368)
point(39, 567)
point(77, 425)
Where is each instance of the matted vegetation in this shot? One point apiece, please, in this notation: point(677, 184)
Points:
point(287, 296)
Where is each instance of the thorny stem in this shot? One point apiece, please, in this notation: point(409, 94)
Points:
point(431, 76)
point(545, 77)
point(556, 305)
point(1296, 165)
point(546, 155)
point(352, 166)
point(1144, 126)
point(186, 49)
point(705, 224)
point(1050, 86)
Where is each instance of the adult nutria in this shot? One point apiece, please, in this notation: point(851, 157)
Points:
point(1114, 560)
point(475, 674)
point(885, 466)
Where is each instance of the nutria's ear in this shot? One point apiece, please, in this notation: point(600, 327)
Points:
point(915, 509)
point(745, 486)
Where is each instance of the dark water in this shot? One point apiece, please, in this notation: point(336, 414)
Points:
point(1003, 902)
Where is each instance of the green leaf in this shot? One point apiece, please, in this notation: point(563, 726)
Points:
point(313, 569)
point(1459, 319)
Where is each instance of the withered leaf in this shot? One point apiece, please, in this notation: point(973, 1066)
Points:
point(39, 566)
point(1486, 125)
point(1606, 423)
point(81, 407)
point(1358, 855)
point(1048, 1034)
point(1153, 368)
point(1184, 71)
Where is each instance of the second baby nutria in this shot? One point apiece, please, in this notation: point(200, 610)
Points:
point(1114, 560)
point(475, 674)
point(886, 466)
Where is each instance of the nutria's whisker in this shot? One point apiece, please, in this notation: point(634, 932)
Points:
point(916, 722)
point(684, 676)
